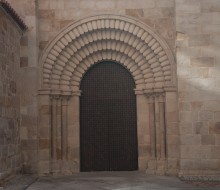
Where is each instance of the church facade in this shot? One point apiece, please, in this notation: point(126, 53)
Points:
point(110, 85)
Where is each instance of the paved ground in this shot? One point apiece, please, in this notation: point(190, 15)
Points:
point(114, 181)
point(19, 182)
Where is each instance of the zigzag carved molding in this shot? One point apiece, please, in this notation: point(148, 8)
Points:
point(107, 37)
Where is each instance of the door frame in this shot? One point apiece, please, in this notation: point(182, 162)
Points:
point(129, 77)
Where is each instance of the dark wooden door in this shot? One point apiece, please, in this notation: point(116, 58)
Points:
point(108, 124)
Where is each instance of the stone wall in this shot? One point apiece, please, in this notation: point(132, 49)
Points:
point(198, 64)
point(28, 83)
point(54, 15)
point(10, 145)
point(159, 15)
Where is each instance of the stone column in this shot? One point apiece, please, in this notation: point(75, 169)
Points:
point(162, 127)
point(59, 128)
point(54, 128)
point(64, 128)
point(142, 130)
point(44, 142)
point(151, 165)
point(151, 104)
point(173, 145)
point(157, 125)
point(73, 133)
point(161, 136)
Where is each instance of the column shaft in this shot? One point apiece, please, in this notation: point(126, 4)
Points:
point(162, 129)
point(152, 127)
point(64, 128)
point(53, 128)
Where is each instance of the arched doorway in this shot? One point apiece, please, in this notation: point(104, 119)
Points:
point(108, 122)
point(145, 55)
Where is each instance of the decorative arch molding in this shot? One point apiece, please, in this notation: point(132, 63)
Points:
point(123, 39)
point(144, 54)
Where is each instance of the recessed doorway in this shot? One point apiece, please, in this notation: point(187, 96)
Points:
point(108, 119)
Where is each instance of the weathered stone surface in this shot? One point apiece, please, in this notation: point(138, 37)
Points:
point(217, 116)
point(10, 149)
point(196, 119)
point(46, 14)
point(134, 12)
point(44, 144)
point(214, 128)
point(199, 40)
point(202, 62)
point(208, 140)
point(190, 139)
point(200, 128)
point(206, 116)
point(186, 128)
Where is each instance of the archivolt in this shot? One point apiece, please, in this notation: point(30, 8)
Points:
point(107, 37)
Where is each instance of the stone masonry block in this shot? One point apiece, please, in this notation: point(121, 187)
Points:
point(208, 139)
point(173, 151)
point(186, 116)
point(45, 109)
point(202, 62)
point(217, 83)
point(187, 6)
point(172, 128)
point(186, 128)
point(197, 105)
point(189, 151)
point(44, 4)
point(199, 40)
point(184, 106)
point(173, 140)
point(217, 116)
point(135, 12)
point(70, 4)
point(217, 139)
point(200, 128)
point(130, 4)
point(144, 150)
point(205, 116)
point(214, 28)
point(166, 12)
point(210, 6)
point(107, 4)
point(43, 167)
point(44, 155)
point(46, 14)
point(208, 164)
point(187, 164)
point(190, 139)
point(58, 4)
point(165, 3)
point(215, 152)
point(214, 128)
point(44, 143)
point(172, 117)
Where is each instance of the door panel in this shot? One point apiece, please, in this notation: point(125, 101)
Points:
point(108, 131)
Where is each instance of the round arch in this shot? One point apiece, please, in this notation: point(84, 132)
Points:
point(66, 59)
point(122, 39)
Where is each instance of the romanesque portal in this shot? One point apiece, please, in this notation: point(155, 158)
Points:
point(149, 61)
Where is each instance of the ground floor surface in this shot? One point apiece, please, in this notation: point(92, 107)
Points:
point(114, 181)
